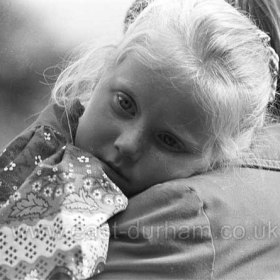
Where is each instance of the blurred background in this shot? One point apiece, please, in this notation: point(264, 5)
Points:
point(36, 35)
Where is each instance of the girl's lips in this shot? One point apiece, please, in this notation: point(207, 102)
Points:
point(114, 173)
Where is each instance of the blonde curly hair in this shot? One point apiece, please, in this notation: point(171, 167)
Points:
point(205, 43)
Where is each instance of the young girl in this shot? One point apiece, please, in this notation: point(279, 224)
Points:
point(185, 91)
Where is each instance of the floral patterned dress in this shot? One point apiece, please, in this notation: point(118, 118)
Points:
point(55, 200)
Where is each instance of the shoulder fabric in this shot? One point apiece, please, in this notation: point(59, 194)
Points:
point(243, 209)
point(164, 234)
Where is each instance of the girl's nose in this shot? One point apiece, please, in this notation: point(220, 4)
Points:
point(130, 143)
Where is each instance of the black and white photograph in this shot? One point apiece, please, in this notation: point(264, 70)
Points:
point(139, 139)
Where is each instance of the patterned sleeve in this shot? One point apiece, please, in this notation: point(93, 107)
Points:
point(56, 201)
point(23, 154)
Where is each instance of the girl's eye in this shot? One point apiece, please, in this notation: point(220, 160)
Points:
point(126, 103)
point(171, 142)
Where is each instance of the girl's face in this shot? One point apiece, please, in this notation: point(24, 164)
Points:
point(143, 130)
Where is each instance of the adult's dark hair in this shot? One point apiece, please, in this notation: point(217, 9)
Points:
point(266, 15)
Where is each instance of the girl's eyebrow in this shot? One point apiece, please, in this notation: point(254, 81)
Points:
point(120, 82)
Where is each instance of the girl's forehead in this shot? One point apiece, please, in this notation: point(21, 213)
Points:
point(134, 71)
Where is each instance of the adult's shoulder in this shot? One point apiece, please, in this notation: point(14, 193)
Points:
point(242, 206)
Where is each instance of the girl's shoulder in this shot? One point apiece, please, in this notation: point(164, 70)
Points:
point(24, 153)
